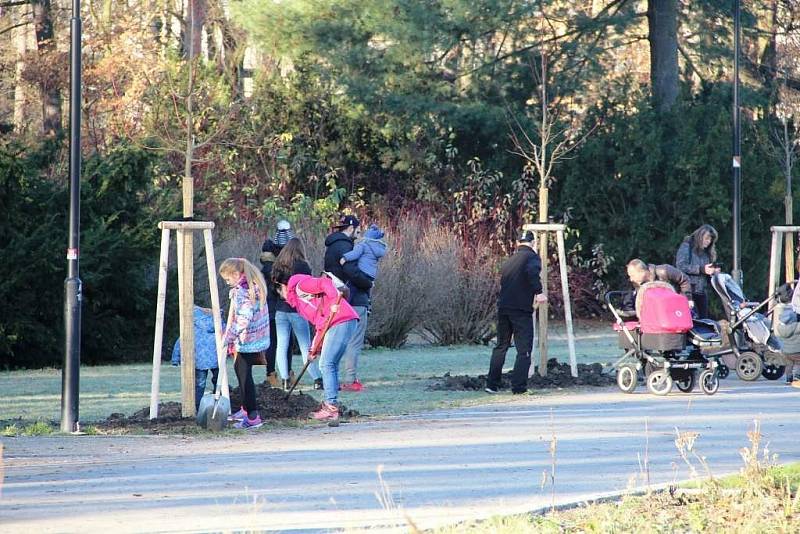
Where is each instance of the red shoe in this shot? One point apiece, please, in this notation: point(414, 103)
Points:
point(356, 386)
point(326, 412)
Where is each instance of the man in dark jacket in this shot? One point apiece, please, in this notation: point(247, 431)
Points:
point(339, 243)
point(640, 273)
point(520, 285)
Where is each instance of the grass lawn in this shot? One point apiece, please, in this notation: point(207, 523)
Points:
point(396, 380)
point(761, 499)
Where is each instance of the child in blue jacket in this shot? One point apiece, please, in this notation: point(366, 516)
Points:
point(368, 252)
point(205, 352)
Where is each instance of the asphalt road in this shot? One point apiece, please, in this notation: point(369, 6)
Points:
point(430, 469)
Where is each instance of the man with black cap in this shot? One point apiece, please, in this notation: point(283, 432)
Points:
point(337, 244)
point(520, 286)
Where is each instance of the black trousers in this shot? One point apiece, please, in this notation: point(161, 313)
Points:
point(520, 325)
point(701, 305)
point(273, 336)
point(244, 374)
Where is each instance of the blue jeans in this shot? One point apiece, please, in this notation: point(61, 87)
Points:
point(333, 347)
point(354, 345)
point(200, 376)
point(285, 324)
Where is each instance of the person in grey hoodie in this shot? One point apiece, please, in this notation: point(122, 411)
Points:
point(787, 329)
point(368, 252)
point(695, 258)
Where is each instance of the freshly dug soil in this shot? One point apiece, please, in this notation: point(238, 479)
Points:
point(271, 402)
point(169, 420)
point(558, 376)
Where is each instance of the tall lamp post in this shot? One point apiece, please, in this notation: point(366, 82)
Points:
point(737, 151)
point(70, 375)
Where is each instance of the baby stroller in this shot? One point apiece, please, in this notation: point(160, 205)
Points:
point(657, 343)
point(757, 350)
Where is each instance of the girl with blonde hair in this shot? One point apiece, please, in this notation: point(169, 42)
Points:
point(247, 332)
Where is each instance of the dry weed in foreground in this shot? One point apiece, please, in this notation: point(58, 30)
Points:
point(386, 500)
point(763, 498)
point(551, 477)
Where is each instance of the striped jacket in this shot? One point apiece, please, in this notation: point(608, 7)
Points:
point(248, 330)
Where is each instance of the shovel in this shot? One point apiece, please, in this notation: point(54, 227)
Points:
point(215, 407)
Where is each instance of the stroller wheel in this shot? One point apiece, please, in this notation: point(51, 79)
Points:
point(723, 370)
point(773, 372)
point(627, 379)
point(686, 384)
point(709, 382)
point(659, 382)
point(748, 366)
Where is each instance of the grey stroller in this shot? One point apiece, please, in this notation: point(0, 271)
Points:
point(758, 351)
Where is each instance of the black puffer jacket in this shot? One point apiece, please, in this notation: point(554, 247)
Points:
point(520, 281)
point(267, 260)
point(336, 245)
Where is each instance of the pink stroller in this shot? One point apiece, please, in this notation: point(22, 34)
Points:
point(664, 343)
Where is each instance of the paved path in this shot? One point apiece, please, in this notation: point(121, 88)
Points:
point(437, 468)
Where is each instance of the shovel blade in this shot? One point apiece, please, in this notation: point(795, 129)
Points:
point(213, 413)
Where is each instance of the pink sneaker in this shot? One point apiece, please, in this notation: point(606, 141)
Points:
point(249, 423)
point(238, 416)
point(355, 387)
point(326, 412)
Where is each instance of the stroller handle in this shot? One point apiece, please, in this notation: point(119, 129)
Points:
point(608, 296)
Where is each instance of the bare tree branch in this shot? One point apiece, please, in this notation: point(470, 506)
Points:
point(12, 3)
point(13, 26)
point(603, 15)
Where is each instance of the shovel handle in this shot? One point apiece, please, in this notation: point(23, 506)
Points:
point(297, 380)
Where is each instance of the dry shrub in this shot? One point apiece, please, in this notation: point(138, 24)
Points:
point(313, 237)
point(462, 284)
point(583, 292)
point(227, 244)
point(401, 287)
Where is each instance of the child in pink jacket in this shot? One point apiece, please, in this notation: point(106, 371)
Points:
point(318, 301)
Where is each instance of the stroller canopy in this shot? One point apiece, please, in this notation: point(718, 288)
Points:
point(663, 311)
point(728, 290)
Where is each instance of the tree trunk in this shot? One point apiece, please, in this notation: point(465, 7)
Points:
point(788, 164)
point(21, 35)
point(544, 201)
point(662, 22)
point(230, 60)
point(769, 57)
point(196, 14)
point(187, 291)
point(48, 88)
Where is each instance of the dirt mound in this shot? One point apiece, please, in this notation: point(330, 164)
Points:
point(272, 404)
point(169, 420)
point(558, 376)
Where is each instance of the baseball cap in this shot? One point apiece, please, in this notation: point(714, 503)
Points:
point(526, 236)
point(347, 220)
